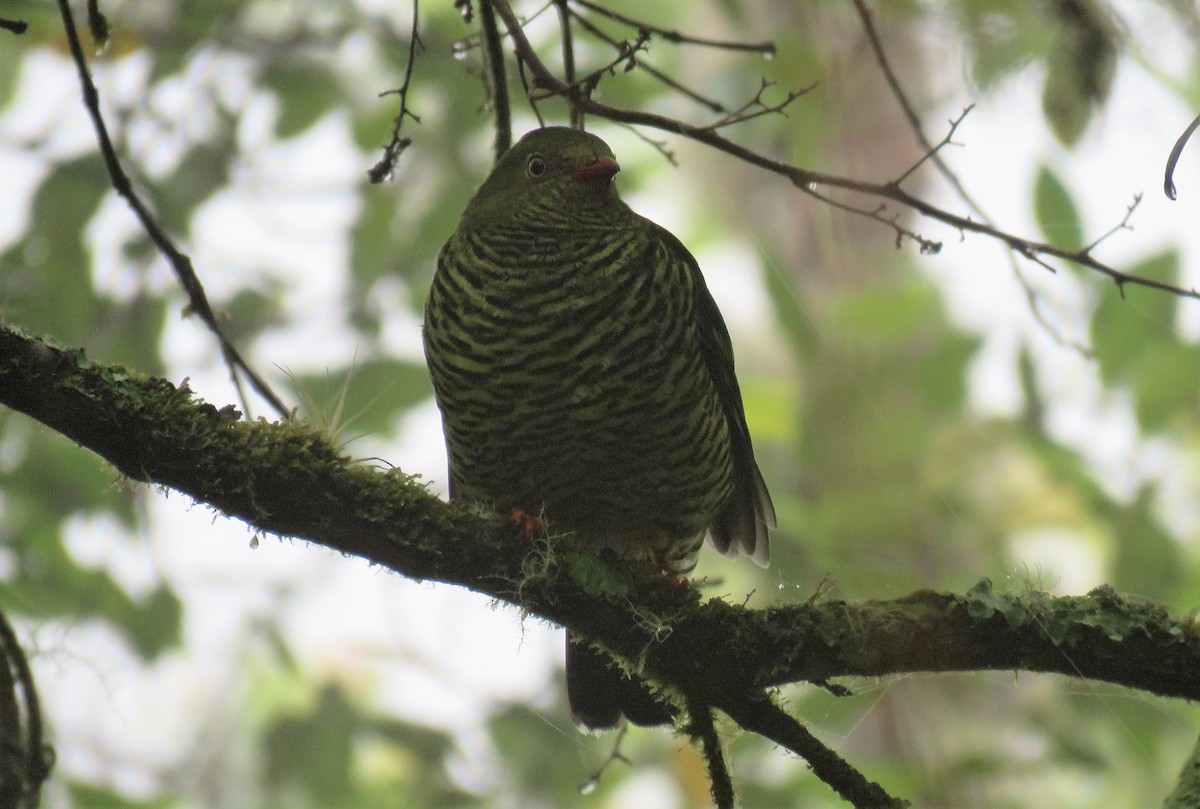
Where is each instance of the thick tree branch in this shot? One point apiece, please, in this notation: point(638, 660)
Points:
point(288, 478)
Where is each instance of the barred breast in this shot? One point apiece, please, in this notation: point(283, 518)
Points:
point(570, 370)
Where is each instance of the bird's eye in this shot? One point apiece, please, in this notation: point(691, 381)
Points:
point(536, 166)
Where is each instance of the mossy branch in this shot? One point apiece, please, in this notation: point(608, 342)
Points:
point(288, 478)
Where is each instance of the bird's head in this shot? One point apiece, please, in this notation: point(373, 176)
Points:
point(555, 168)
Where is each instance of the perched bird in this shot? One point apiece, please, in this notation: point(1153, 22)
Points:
point(585, 376)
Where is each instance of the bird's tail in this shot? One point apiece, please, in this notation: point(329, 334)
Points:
point(600, 693)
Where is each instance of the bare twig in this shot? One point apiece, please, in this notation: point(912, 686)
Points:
point(25, 760)
point(1122, 225)
point(582, 88)
point(1173, 158)
point(660, 146)
point(614, 756)
point(179, 262)
point(808, 180)
point(700, 726)
point(910, 112)
point(16, 26)
point(931, 153)
point(929, 247)
point(568, 56)
point(498, 86)
point(756, 107)
point(712, 104)
point(384, 167)
point(529, 96)
point(765, 48)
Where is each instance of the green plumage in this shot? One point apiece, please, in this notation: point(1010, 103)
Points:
point(584, 372)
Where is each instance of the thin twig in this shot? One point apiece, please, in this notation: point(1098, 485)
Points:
point(38, 758)
point(1122, 225)
point(583, 88)
point(931, 153)
point(568, 56)
point(808, 180)
point(762, 716)
point(16, 26)
point(765, 48)
point(614, 756)
point(180, 263)
point(756, 107)
point(1173, 158)
point(525, 85)
point(711, 104)
point(910, 112)
point(501, 105)
point(926, 246)
point(700, 726)
point(660, 146)
point(384, 167)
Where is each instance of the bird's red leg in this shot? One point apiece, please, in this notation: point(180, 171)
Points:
point(664, 567)
point(530, 524)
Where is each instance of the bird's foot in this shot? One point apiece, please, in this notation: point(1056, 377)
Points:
point(664, 567)
point(528, 523)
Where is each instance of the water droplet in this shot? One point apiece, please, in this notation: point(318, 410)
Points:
point(589, 786)
point(254, 542)
point(459, 50)
point(769, 54)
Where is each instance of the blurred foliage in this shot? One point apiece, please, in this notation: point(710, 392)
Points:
point(885, 476)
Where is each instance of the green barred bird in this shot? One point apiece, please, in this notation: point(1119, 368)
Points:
point(585, 376)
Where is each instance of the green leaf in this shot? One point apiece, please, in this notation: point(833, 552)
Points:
point(1067, 111)
point(306, 93)
point(1148, 560)
point(10, 71)
point(51, 585)
point(886, 314)
point(373, 248)
point(45, 279)
point(942, 377)
point(90, 796)
point(1127, 323)
point(1055, 211)
point(153, 626)
point(203, 170)
point(1003, 38)
point(1138, 347)
point(1080, 67)
point(314, 751)
point(790, 312)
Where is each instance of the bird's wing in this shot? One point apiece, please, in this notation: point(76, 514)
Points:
point(744, 523)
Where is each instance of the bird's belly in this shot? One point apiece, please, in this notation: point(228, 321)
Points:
point(619, 447)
